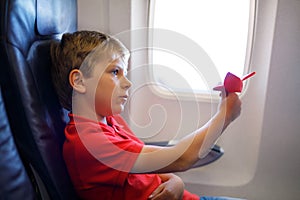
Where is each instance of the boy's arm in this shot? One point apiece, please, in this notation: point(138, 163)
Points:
point(172, 188)
point(193, 147)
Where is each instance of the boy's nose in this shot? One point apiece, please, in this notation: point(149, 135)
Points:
point(126, 83)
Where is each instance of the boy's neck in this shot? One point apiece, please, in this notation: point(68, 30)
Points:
point(80, 107)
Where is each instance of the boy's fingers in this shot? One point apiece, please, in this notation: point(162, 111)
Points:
point(224, 94)
point(156, 191)
point(222, 89)
point(219, 88)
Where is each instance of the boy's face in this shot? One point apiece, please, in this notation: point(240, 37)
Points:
point(110, 87)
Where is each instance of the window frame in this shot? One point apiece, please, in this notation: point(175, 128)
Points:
point(203, 96)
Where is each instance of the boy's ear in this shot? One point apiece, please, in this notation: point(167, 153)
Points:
point(76, 80)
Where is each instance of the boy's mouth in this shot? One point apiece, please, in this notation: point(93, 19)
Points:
point(124, 97)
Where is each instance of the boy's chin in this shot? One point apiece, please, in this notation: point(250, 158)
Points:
point(118, 111)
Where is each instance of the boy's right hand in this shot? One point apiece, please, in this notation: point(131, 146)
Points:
point(230, 106)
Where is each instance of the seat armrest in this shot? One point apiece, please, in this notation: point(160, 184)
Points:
point(215, 153)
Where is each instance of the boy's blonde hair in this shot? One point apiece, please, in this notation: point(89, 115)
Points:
point(80, 50)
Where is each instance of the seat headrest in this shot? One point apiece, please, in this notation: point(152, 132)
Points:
point(59, 21)
point(27, 21)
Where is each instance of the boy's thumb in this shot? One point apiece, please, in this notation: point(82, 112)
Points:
point(155, 192)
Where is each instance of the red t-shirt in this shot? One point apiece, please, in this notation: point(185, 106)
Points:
point(99, 158)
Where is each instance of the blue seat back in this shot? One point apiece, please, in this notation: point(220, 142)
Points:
point(14, 181)
point(36, 117)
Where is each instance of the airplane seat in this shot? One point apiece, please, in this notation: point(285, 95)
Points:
point(14, 181)
point(36, 118)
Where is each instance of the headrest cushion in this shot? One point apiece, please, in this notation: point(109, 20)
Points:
point(62, 16)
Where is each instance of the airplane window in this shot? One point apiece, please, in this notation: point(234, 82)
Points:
point(207, 39)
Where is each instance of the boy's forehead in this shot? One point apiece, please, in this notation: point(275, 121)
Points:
point(109, 61)
point(118, 60)
point(122, 61)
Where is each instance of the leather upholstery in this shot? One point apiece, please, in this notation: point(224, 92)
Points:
point(14, 181)
point(37, 120)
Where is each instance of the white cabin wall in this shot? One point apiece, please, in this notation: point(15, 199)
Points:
point(93, 15)
point(108, 16)
point(279, 168)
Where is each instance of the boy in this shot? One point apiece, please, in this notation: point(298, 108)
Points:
point(104, 158)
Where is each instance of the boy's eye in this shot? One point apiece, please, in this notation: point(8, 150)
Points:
point(115, 72)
